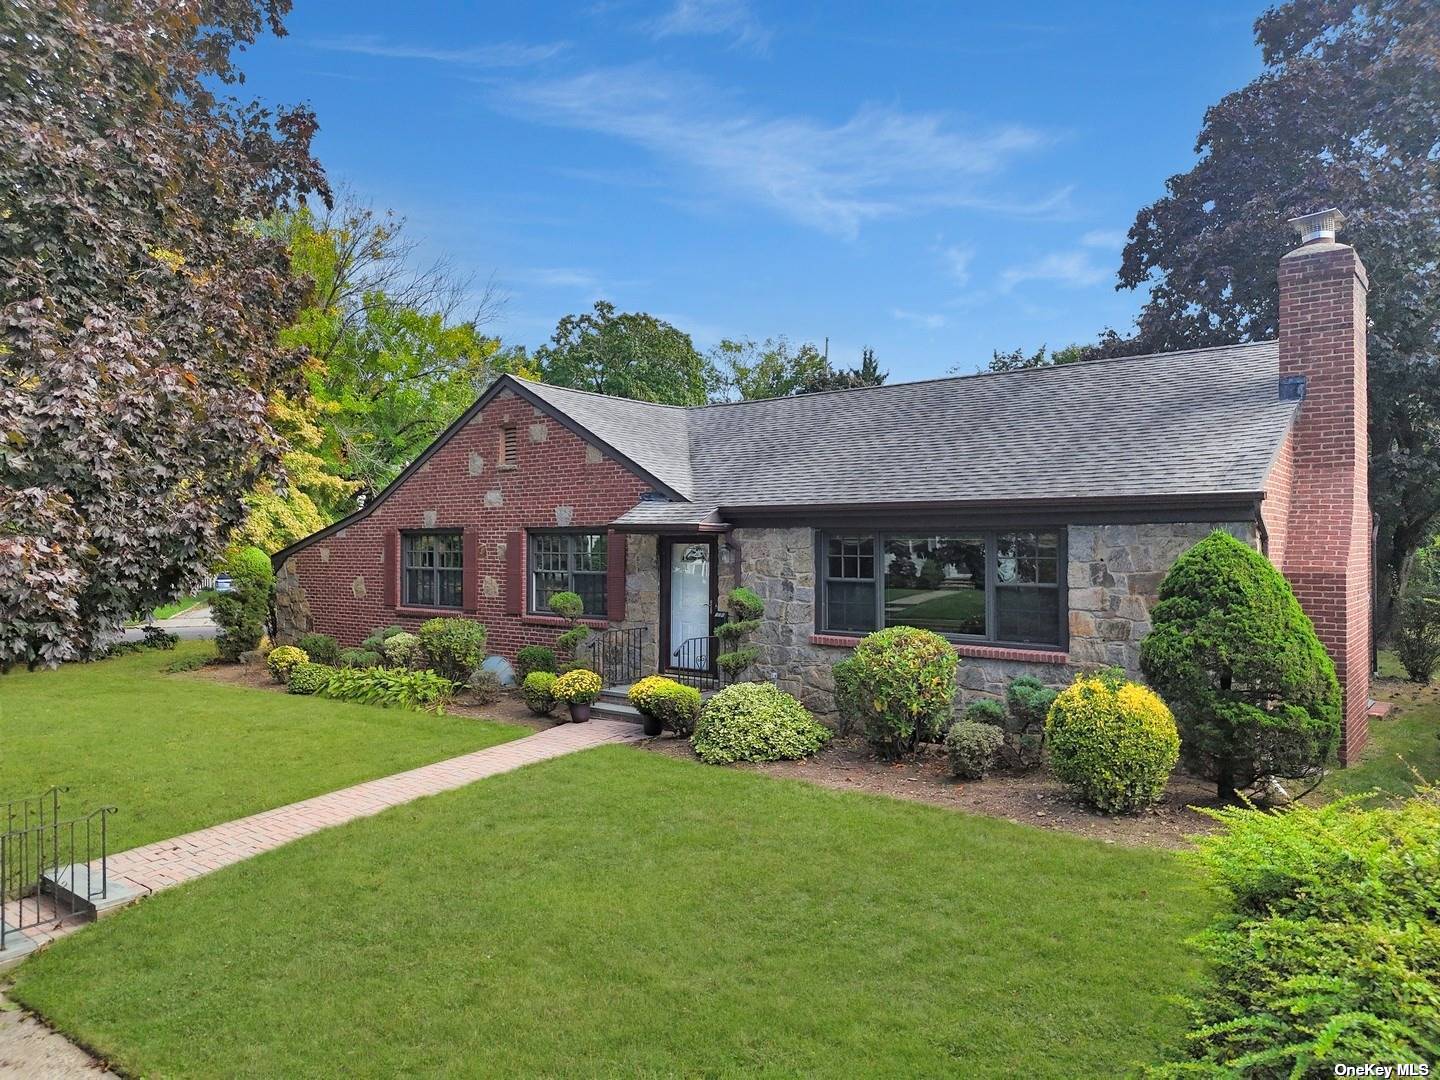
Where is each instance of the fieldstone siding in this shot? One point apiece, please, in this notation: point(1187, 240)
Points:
point(642, 595)
point(292, 612)
point(1114, 574)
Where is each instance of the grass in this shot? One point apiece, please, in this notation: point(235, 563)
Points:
point(623, 913)
point(179, 752)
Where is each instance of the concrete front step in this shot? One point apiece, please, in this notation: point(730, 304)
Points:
point(18, 945)
point(82, 887)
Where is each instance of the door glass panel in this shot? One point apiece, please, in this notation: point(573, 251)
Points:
point(690, 606)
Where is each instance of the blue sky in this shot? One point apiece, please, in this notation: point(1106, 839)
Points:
point(935, 180)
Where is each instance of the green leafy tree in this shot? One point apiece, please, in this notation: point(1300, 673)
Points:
point(1020, 360)
point(748, 371)
point(1346, 113)
point(629, 354)
point(242, 612)
point(1238, 662)
point(141, 309)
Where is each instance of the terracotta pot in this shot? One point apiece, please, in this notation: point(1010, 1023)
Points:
point(579, 712)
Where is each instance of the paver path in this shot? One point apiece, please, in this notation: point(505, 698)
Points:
point(181, 858)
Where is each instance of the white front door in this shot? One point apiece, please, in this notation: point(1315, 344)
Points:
point(690, 605)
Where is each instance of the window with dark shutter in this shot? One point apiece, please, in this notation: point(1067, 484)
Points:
point(433, 573)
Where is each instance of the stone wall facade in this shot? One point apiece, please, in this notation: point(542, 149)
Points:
point(1113, 577)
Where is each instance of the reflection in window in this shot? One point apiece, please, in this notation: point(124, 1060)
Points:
point(936, 583)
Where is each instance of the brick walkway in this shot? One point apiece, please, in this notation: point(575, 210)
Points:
point(182, 858)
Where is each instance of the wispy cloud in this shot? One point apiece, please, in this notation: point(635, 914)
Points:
point(1109, 239)
point(957, 259)
point(1071, 268)
point(881, 162)
point(720, 18)
point(559, 277)
point(505, 54)
point(922, 319)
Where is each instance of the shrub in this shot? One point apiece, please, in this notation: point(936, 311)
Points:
point(746, 609)
point(538, 690)
point(453, 647)
point(402, 649)
point(972, 747)
point(309, 678)
point(1253, 691)
point(578, 687)
point(932, 575)
point(1116, 745)
point(755, 722)
point(391, 688)
point(157, 637)
point(1417, 639)
point(282, 661)
point(985, 711)
point(532, 658)
point(187, 663)
point(321, 648)
point(376, 641)
point(673, 704)
point(1029, 701)
point(847, 693)
point(906, 684)
point(1326, 950)
point(484, 686)
point(360, 658)
point(567, 605)
point(241, 613)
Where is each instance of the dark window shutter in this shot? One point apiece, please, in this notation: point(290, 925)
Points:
point(390, 567)
point(515, 574)
point(470, 569)
point(615, 577)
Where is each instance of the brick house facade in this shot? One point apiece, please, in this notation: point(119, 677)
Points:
point(1098, 474)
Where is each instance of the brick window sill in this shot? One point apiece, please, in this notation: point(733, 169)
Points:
point(431, 612)
point(555, 620)
point(976, 652)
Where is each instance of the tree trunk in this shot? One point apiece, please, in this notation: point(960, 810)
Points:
point(1225, 782)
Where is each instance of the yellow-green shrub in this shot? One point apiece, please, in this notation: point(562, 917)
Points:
point(282, 660)
point(578, 687)
point(674, 704)
point(1114, 742)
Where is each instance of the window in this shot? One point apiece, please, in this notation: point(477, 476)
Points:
point(985, 585)
point(567, 562)
point(509, 448)
point(434, 569)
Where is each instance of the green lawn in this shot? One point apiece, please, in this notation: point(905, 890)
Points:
point(623, 913)
point(1406, 741)
point(179, 752)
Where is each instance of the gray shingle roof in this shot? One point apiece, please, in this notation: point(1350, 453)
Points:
point(1207, 422)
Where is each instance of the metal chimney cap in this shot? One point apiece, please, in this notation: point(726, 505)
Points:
point(1321, 226)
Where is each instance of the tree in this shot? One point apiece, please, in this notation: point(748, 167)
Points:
point(1347, 114)
point(630, 355)
point(1020, 360)
point(1238, 661)
point(748, 371)
point(141, 310)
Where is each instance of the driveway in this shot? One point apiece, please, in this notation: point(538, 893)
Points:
point(188, 625)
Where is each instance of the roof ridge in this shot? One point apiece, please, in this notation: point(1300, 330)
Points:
point(608, 397)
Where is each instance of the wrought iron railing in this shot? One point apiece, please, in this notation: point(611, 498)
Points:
point(50, 868)
point(693, 663)
point(618, 656)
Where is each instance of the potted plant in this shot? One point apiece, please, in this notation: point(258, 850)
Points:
point(578, 689)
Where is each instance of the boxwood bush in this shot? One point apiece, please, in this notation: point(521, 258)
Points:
point(1115, 743)
point(985, 711)
point(674, 704)
point(321, 648)
point(309, 678)
point(538, 690)
point(847, 694)
point(972, 748)
point(905, 686)
point(1327, 949)
point(241, 613)
point(534, 658)
point(755, 722)
point(282, 659)
point(360, 658)
point(394, 688)
point(452, 647)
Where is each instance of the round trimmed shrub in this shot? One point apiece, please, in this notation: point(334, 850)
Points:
point(755, 722)
point(905, 679)
point(985, 711)
point(282, 660)
point(531, 658)
point(309, 678)
point(578, 687)
point(538, 690)
point(1253, 690)
point(360, 658)
point(674, 704)
point(1114, 743)
point(847, 693)
point(402, 649)
point(452, 647)
point(321, 648)
point(972, 747)
point(567, 605)
point(376, 641)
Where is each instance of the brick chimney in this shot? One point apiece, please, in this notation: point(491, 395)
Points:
point(1327, 549)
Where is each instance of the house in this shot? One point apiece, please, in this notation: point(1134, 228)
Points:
point(1029, 515)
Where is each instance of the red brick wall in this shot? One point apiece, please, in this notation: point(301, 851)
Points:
point(1275, 510)
point(555, 469)
point(1327, 544)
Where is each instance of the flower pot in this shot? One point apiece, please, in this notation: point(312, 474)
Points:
point(653, 726)
point(579, 711)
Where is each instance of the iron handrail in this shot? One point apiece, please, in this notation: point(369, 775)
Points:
point(31, 853)
point(618, 656)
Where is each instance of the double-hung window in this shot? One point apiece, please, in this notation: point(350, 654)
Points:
point(991, 585)
point(434, 565)
point(568, 562)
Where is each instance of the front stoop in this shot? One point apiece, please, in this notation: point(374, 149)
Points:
point(81, 888)
point(614, 704)
point(18, 945)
